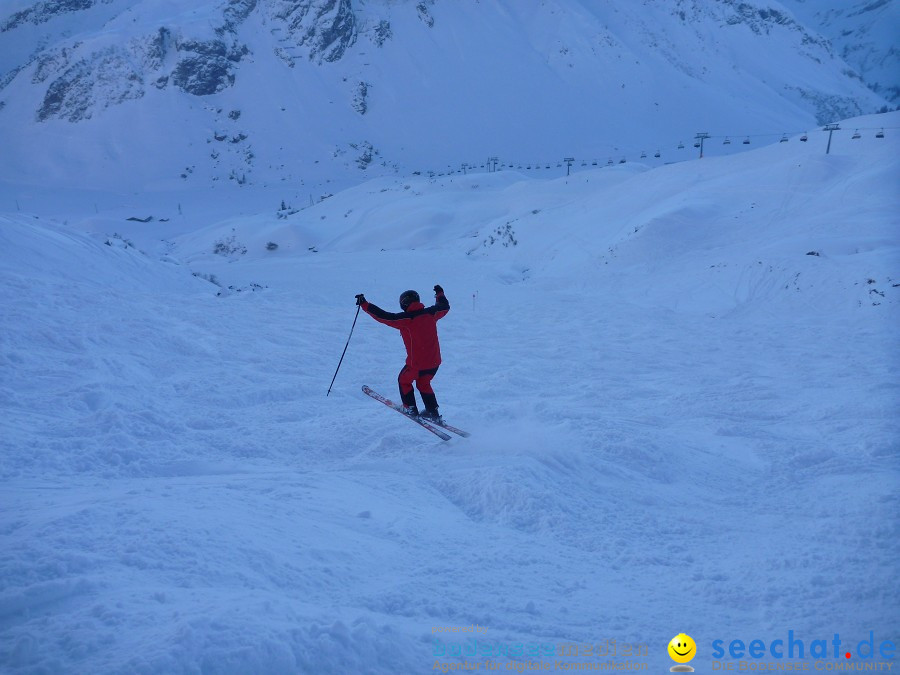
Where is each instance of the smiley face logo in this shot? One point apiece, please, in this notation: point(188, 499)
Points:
point(682, 648)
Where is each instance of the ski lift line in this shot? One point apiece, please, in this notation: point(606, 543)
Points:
point(673, 149)
point(864, 128)
point(795, 133)
point(778, 135)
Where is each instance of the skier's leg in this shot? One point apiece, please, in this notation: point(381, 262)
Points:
point(423, 383)
point(407, 395)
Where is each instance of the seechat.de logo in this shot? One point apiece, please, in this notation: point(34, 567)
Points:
point(682, 649)
point(796, 648)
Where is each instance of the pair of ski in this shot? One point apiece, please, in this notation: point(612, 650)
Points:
point(432, 426)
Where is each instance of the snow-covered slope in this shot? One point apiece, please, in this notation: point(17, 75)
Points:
point(136, 95)
point(681, 383)
point(726, 214)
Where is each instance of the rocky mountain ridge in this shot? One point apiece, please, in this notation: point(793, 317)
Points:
point(72, 61)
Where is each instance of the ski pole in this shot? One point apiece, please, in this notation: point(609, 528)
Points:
point(344, 352)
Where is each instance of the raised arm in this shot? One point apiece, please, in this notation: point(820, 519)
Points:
point(441, 305)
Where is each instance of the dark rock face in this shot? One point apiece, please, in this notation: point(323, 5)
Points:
point(208, 68)
point(156, 49)
point(236, 13)
point(324, 28)
point(382, 32)
point(360, 100)
point(42, 12)
point(107, 78)
point(202, 76)
point(79, 83)
point(336, 35)
point(425, 15)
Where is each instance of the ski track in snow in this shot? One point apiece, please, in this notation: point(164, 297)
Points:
point(180, 496)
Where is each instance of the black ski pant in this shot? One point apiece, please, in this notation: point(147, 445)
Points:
point(422, 378)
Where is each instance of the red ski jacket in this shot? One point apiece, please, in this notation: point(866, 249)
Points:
point(418, 327)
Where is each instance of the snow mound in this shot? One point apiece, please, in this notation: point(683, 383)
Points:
point(53, 253)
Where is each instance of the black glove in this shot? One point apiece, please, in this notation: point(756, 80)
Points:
point(360, 299)
point(438, 290)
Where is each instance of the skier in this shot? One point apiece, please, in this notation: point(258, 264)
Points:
point(418, 327)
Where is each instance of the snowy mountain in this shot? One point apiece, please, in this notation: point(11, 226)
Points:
point(133, 95)
point(863, 33)
point(681, 383)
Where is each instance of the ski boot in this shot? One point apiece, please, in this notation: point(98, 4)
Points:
point(431, 413)
point(432, 416)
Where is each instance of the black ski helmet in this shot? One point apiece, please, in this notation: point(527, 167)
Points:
point(407, 298)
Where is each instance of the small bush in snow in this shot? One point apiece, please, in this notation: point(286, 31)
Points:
point(285, 210)
point(229, 246)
